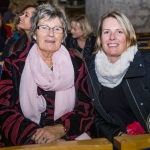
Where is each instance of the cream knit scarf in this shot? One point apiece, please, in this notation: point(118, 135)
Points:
point(109, 74)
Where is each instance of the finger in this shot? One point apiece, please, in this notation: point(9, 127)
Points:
point(61, 140)
point(42, 140)
point(38, 130)
point(58, 140)
point(33, 137)
point(39, 136)
point(50, 140)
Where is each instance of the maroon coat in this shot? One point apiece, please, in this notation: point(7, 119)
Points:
point(18, 130)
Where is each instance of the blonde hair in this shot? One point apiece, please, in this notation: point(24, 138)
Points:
point(84, 24)
point(125, 24)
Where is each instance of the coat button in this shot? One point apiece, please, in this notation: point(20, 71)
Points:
point(141, 103)
point(140, 65)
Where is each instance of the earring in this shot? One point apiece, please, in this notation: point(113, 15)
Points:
point(34, 37)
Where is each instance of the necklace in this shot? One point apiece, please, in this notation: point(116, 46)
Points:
point(51, 67)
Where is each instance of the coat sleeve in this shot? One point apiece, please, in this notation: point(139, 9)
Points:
point(15, 128)
point(105, 129)
point(81, 118)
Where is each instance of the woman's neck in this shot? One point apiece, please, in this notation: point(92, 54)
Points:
point(47, 57)
point(27, 33)
point(81, 42)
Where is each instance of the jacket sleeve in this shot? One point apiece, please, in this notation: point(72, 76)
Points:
point(15, 128)
point(81, 118)
point(105, 129)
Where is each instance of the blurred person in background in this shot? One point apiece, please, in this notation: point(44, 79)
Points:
point(3, 33)
point(81, 37)
point(12, 11)
point(16, 34)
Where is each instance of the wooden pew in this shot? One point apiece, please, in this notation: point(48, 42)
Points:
point(142, 33)
point(132, 142)
point(143, 45)
point(143, 36)
point(93, 144)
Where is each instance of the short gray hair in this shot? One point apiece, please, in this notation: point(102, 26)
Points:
point(50, 12)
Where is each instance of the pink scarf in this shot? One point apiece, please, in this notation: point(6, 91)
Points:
point(37, 73)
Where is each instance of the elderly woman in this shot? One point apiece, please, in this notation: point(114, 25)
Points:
point(43, 91)
point(119, 80)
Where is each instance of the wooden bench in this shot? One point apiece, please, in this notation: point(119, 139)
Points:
point(143, 36)
point(142, 33)
point(143, 45)
point(93, 144)
point(132, 142)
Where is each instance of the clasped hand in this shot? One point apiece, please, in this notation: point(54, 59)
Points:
point(48, 134)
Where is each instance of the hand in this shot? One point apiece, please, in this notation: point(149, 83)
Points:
point(48, 134)
point(58, 140)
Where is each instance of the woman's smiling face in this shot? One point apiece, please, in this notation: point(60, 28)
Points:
point(24, 19)
point(113, 39)
point(49, 41)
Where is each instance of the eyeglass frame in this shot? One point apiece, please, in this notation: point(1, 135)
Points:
point(49, 28)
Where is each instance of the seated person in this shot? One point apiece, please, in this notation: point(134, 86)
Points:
point(3, 33)
point(43, 90)
point(16, 34)
point(119, 80)
point(9, 26)
point(81, 37)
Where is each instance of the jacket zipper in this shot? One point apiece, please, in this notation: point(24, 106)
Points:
point(135, 100)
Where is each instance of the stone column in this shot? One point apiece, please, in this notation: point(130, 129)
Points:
point(93, 10)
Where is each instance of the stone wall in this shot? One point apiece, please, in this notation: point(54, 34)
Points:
point(23, 3)
point(138, 11)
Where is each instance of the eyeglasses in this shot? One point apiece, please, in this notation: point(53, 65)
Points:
point(46, 29)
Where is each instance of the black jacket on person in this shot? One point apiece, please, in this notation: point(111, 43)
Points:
point(2, 43)
point(89, 45)
point(136, 86)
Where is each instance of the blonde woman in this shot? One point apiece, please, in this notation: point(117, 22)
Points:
point(119, 80)
point(81, 37)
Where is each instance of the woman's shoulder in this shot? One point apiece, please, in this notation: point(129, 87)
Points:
point(20, 53)
point(143, 55)
point(13, 56)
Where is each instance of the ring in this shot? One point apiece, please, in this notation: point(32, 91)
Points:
point(45, 140)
